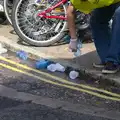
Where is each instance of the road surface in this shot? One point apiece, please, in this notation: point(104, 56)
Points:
point(30, 94)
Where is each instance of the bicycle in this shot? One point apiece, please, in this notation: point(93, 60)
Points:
point(8, 4)
point(3, 19)
point(43, 23)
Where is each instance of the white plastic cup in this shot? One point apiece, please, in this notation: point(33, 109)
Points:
point(51, 67)
point(73, 75)
point(60, 68)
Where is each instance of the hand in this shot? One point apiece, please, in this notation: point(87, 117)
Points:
point(73, 45)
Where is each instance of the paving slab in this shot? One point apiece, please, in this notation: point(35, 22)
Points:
point(58, 53)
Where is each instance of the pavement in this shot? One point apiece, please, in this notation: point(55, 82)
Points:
point(30, 94)
point(58, 53)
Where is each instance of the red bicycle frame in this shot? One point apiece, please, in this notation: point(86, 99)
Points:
point(44, 13)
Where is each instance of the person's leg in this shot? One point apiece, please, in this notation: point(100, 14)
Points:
point(100, 29)
point(72, 28)
point(114, 50)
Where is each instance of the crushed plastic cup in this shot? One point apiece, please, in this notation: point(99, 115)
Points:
point(73, 75)
point(22, 55)
point(56, 67)
point(51, 67)
point(60, 68)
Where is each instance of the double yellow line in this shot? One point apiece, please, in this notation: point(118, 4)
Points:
point(59, 81)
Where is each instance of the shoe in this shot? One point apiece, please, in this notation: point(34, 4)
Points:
point(110, 68)
point(98, 65)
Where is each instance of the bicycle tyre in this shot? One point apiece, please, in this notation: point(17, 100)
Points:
point(86, 20)
point(6, 12)
point(26, 38)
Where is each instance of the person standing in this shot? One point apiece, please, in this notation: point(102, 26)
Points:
point(107, 41)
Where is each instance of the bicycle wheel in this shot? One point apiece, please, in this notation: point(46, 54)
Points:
point(36, 30)
point(8, 4)
point(3, 19)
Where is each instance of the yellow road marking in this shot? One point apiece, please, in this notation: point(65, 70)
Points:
point(59, 79)
point(58, 84)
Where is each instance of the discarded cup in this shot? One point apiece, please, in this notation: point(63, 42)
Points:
point(60, 68)
point(22, 55)
point(51, 67)
point(73, 75)
point(56, 67)
point(42, 64)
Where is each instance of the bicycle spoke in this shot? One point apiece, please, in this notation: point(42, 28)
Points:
point(38, 28)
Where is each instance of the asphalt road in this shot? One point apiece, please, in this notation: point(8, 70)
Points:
point(29, 94)
point(29, 111)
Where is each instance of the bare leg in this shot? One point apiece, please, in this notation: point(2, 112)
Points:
point(72, 28)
